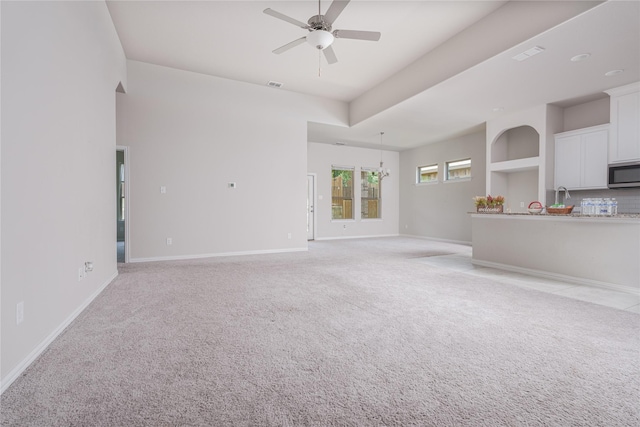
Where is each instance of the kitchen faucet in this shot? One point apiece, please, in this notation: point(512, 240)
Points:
point(566, 194)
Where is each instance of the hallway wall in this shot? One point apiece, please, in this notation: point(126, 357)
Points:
point(61, 64)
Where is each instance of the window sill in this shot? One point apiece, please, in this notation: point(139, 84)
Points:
point(457, 180)
point(420, 184)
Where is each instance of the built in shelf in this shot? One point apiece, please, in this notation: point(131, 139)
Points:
point(516, 143)
point(518, 165)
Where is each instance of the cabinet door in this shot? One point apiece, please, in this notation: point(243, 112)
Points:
point(594, 160)
point(568, 158)
point(625, 130)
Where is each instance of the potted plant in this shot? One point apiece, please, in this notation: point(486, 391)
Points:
point(489, 204)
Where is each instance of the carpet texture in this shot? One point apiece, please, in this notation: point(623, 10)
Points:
point(352, 333)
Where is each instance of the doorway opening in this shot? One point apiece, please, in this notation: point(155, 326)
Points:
point(122, 204)
point(311, 203)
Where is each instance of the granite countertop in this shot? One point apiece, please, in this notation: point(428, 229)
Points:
point(573, 215)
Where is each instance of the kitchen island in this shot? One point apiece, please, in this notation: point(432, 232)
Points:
point(591, 250)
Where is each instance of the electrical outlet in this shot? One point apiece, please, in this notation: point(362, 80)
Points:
point(169, 241)
point(522, 204)
point(344, 226)
point(289, 236)
point(81, 273)
point(163, 190)
point(19, 312)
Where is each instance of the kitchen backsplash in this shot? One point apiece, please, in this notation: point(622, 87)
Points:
point(628, 199)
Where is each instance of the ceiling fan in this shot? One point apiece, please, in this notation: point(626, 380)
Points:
point(320, 35)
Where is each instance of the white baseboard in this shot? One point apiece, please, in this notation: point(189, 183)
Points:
point(557, 276)
point(19, 369)
point(215, 255)
point(436, 239)
point(357, 237)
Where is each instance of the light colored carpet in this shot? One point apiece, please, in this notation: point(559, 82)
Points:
point(352, 333)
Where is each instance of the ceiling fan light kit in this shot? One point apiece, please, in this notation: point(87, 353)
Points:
point(319, 26)
point(320, 39)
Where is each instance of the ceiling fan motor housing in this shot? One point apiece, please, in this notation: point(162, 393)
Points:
point(317, 22)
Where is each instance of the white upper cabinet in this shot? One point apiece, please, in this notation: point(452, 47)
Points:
point(581, 158)
point(624, 144)
point(568, 165)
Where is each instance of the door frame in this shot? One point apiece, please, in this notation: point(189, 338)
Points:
point(314, 203)
point(127, 198)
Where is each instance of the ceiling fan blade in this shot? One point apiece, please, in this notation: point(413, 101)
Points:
point(335, 10)
point(279, 15)
point(288, 46)
point(330, 55)
point(357, 35)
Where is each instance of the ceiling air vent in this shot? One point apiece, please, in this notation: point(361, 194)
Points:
point(528, 53)
point(274, 84)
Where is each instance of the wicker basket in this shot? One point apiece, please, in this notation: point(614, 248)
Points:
point(490, 210)
point(560, 211)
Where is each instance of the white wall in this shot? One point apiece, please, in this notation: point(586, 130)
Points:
point(587, 114)
point(522, 189)
point(320, 159)
point(440, 210)
point(194, 134)
point(61, 63)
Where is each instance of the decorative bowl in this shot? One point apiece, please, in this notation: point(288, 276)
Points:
point(535, 207)
point(560, 211)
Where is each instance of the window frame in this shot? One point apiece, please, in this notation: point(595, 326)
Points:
point(419, 174)
point(333, 191)
point(461, 179)
point(378, 199)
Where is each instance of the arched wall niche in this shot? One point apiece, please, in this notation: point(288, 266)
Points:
point(514, 156)
point(520, 154)
point(516, 143)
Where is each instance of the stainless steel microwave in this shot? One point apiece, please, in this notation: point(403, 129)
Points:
point(624, 175)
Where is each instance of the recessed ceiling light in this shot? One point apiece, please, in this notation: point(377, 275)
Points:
point(497, 109)
point(580, 57)
point(613, 73)
point(528, 53)
point(340, 143)
point(274, 84)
